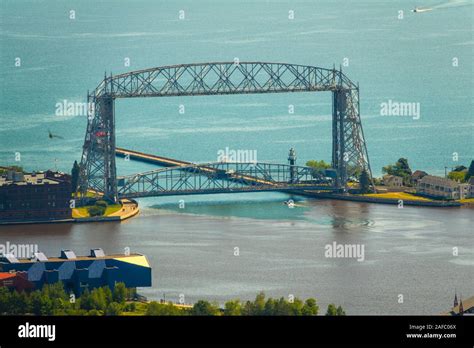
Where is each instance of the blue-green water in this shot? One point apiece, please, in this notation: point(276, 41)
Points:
point(406, 60)
point(409, 250)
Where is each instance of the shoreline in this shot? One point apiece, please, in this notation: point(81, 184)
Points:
point(393, 201)
point(129, 209)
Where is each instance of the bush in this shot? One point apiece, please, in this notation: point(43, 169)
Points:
point(120, 293)
point(101, 203)
point(96, 210)
point(233, 308)
point(332, 310)
point(130, 307)
point(202, 307)
point(114, 309)
point(155, 308)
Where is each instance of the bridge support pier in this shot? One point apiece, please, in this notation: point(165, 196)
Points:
point(97, 170)
point(110, 173)
point(339, 158)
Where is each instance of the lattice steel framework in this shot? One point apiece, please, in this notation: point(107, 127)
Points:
point(221, 177)
point(98, 171)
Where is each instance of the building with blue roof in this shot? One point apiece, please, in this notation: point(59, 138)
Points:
point(78, 273)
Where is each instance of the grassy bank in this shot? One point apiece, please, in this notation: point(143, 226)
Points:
point(84, 212)
point(397, 195)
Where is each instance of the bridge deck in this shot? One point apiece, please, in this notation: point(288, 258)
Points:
point(186, 178)
point(170, 162)
point(144, 157)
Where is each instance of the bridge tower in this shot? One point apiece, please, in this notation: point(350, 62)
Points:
point(98, 170)
point(349, 151)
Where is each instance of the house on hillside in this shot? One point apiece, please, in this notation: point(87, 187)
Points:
point(392, 180)
point(417, 176)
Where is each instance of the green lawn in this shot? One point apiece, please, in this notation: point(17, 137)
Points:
point(82, 212)
point(397, 195)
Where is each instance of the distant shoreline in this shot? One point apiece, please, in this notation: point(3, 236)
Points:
point(393, 201)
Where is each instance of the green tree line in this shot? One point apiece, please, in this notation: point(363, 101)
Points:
point(261, 306)
point(54, 300)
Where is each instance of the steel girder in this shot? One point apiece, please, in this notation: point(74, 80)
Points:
point(223, 177)
point(98, 160)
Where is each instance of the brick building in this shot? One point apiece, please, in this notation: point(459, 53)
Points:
point(34, 197)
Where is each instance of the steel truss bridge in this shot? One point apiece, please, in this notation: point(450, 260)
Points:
point(221, 177)
point(98, 168)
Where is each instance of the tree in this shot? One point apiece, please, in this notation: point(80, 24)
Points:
point(14, 168)
point(109, 298)
point(259, 304)
point(282, 307)
point(296, 307)
point(120, 293)
point(98, 299)
point(75, 176)
point(95, 210)
point(457, 176)
point(400, 168)
point(459, 169)
point(470, 171)
point(130, 307)
point(101, 203)
point(202, 308)
point(364, 182)
point(233, 308)
point(35, 298)
point(85, 301)
point(270, 306)
point(340, 311)
point(319, 165)
point(310, 307)
point(247, 309)
point(4, 300)
point(332, 310)
point(113, 308)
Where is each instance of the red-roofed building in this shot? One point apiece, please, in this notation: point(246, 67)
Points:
point(16, 280)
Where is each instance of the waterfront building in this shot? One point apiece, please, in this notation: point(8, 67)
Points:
point(464, 190)
point(471, 187)
point(78, 273)
point(417, 176)
point(35, 196)
point(438, 187)
point(15, 280)
point(392, 180)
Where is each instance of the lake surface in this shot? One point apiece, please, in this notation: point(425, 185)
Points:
point(281, 251)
